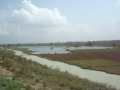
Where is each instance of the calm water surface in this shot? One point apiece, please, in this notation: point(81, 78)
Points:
point(97, 76)
point(58, 50)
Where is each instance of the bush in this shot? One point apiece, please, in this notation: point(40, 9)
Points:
point(6, 84)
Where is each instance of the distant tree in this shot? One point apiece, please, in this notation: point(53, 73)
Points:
point(86, 44)
point(8, 45)
point(89, 43)
point(76, 45)
point(113, 44)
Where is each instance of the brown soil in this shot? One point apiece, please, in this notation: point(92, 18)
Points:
point(84, 56)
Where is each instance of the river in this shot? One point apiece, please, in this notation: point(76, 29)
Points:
point(92, 75)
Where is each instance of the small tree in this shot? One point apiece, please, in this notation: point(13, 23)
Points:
point(89, 43)
point(113, 44)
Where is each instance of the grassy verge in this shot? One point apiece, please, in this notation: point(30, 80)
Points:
point(40, 77)
point(108, 66)
point(24, 50)
point(115, 49)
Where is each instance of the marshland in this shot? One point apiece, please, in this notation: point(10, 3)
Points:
point(59, 45)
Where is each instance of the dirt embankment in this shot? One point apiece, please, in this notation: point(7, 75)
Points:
point(84, 56)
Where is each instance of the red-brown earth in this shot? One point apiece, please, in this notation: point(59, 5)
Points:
point(84, 56)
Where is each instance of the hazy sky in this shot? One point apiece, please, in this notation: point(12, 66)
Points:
point(37, 21)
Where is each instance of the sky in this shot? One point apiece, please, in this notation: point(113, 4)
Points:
point(41, 21)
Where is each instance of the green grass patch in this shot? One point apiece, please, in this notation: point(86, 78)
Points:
point(115, 49)
point(103, 65)
point(24, 50)
point(6, 84)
